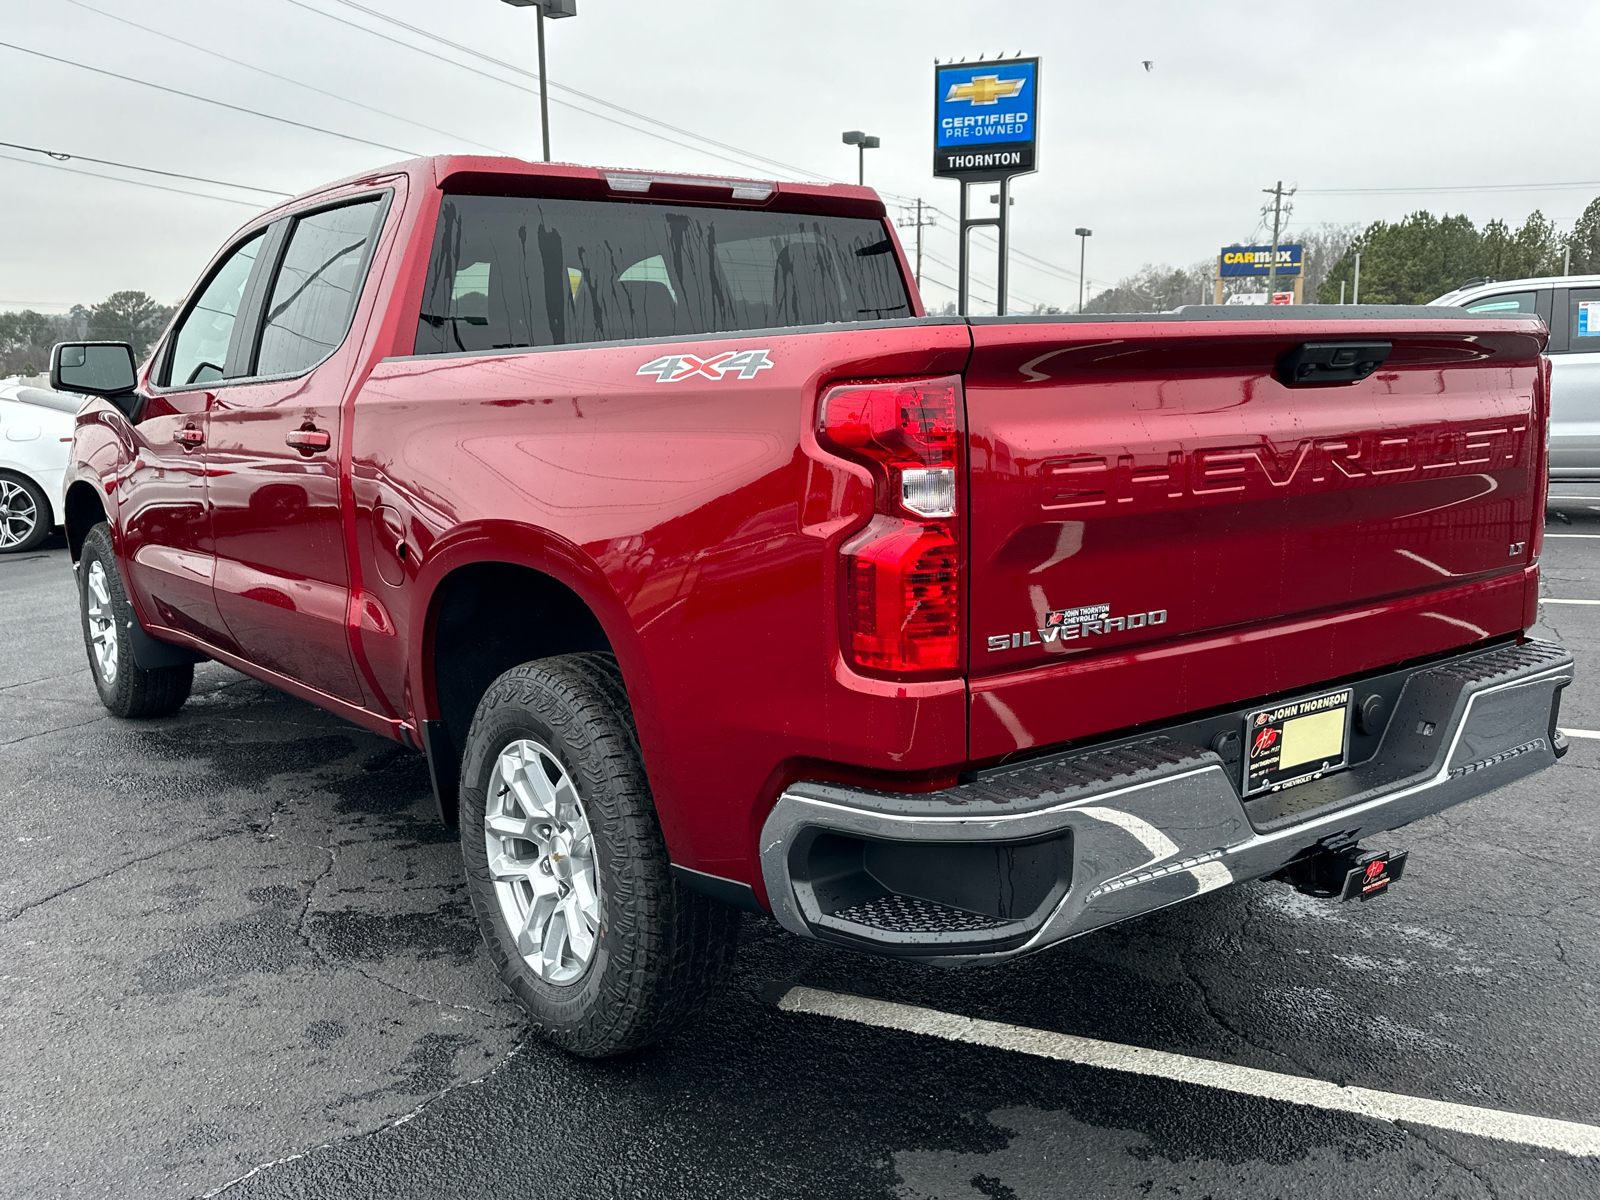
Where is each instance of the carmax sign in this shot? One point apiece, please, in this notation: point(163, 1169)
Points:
point(1254, 260)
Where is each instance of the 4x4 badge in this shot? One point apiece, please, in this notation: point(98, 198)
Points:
point(674, 368)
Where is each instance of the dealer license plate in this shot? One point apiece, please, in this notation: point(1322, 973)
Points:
point(1296, 742)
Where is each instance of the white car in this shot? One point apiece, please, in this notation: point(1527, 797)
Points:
point(1570, 306)
point(35, 438)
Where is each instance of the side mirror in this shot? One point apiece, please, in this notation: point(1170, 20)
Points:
point(92, 368)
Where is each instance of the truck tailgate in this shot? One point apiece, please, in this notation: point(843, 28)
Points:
point(1160, 526)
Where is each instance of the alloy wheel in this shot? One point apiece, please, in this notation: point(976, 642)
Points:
point(19, 514)
point(102, 622)
point(541, 855)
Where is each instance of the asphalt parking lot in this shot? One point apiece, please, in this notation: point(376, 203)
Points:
point(236, 958)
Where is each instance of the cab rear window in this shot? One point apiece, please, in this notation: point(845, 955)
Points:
point(510, 272)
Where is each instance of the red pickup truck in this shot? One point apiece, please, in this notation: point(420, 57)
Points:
point(709, 573)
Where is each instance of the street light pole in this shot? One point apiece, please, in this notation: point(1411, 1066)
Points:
point(862, 142)
point(543, 9)
point(1083, 242)
point(544, 97)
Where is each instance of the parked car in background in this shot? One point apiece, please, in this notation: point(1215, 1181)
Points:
point(35, 440)
point(1570, 305)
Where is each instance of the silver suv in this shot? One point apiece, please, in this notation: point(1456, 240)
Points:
point(1570, 306)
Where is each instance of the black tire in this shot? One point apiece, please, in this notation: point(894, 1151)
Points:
point(126, 689)
point(24, 513)
point(662, 953)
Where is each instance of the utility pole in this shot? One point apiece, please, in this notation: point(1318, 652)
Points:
point(1566, 265)
point(1355, 290)
point(1278, 196)
point(920, 225)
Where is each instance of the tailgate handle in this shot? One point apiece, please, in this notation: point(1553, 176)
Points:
point(1331, 362)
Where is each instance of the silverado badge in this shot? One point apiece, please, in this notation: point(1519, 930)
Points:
point(1065, 624)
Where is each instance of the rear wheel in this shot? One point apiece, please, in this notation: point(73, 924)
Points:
point(24, 513)
point(126, 689)
point(567, 869)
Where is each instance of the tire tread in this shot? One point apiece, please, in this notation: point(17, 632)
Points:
point(136, 693)
point(671, 950)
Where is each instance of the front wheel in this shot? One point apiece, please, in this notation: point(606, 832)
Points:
point(24, 513)
point(567, 869)
point(126, 689)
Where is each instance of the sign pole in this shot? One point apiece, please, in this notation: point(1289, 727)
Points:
point(985, 130)
point(961, 255)
point(1004, 231)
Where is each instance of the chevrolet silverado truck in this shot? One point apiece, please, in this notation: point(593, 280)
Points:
point(710, 574)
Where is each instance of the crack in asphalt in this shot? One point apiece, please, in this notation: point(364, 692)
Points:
point(403, 1119)
point(44, 679)
point(57, 729)
point(132, 862)
point(305, 937)
point(1227, 1026)
point(1446, 1155)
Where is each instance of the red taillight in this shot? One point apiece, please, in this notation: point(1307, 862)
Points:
point(902, 574)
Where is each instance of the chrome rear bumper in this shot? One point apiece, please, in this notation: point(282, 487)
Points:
point(1044, 851)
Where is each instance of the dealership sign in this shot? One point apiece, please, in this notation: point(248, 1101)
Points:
point(1254, 260)
point(985, 118)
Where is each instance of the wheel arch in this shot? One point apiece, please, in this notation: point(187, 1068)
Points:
point(85, 508)
point(562, 604)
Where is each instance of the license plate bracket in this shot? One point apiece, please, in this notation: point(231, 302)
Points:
point(1296, 742)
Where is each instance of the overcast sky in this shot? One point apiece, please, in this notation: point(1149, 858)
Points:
point(1164, 165)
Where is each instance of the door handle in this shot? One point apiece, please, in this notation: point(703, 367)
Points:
point(308, 441)
point(188, 437)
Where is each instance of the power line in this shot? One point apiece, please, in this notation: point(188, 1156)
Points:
point(63, 156)
point(206, 99)
point(1023, 296)
point(31, 162)
point(1043, 264)
point(478, 54)
point(281, 78)
point(1417, 191)
point(512, 84)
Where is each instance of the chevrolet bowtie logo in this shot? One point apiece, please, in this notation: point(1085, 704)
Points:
point(984, 89)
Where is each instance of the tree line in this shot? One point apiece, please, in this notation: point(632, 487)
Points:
point(1411, 261)
point(27, 336)
point(1421, 257)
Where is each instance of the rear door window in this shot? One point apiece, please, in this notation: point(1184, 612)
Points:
point(200, 345)
point(314, 295)
point(512, 272)
point(1583, 321)
point(1504, 302)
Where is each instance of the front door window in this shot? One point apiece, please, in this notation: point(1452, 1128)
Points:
point(200, 347)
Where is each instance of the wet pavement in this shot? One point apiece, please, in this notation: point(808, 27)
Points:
point(236, 958)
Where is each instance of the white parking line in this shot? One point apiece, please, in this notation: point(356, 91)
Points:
point(1553, 600)
point(1583, 733)
point(1568, 1137)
